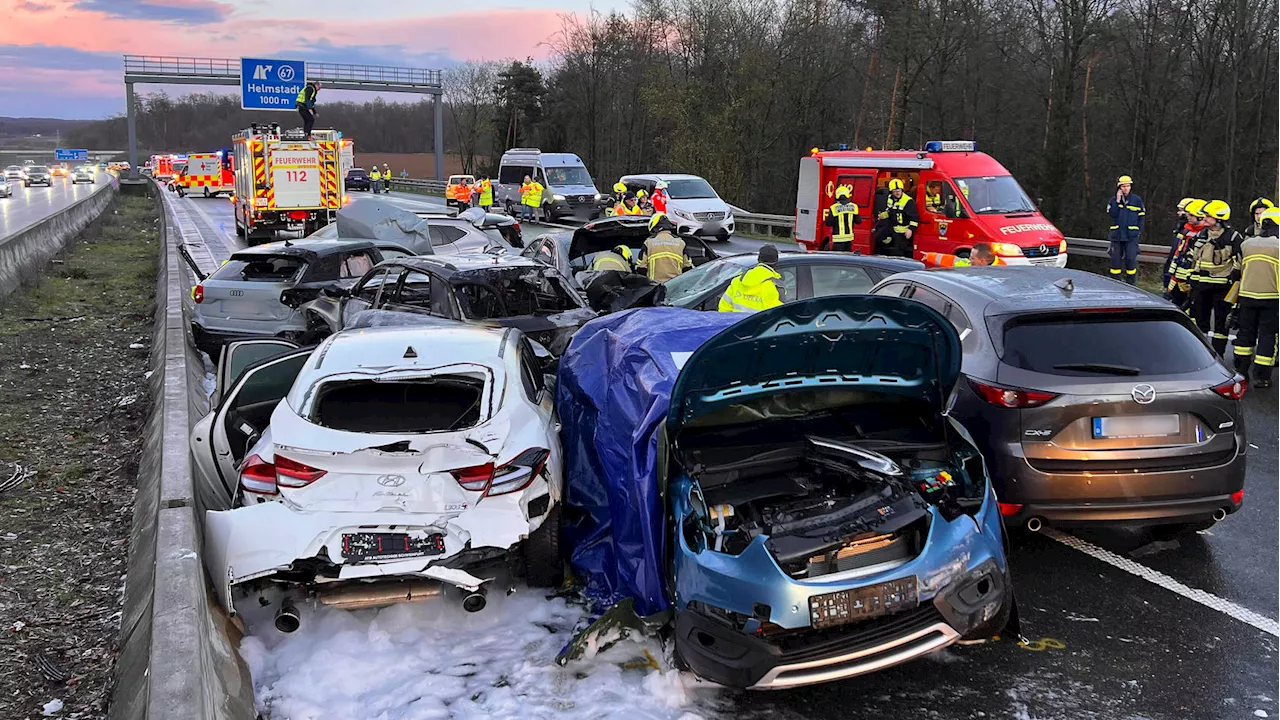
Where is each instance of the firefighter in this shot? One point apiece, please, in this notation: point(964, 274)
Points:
point(619, 258)
point(386, 178)
point(1258, 309)
point(306, 104)
point(486, 194)
point(375, 177)
point(1179, 241)
point(1256, 208)
point(841, 217)
point(980, 256)
point(897, 223)
point(757, 288)
point(1216, 264)
point(1128, 217)
point(530, 197)
point(664, 252)
point(627, 205)
point(1179, 286)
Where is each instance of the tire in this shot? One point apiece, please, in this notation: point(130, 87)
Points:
point(239, 229)
point(206, 193)
point(543, 566)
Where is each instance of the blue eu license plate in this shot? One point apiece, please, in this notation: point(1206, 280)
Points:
point(1136, 426)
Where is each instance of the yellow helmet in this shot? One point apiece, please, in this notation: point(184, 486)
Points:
point(844, 191)
point(895, 184)
point(624, 251)
point(1271, 214)
point(1218, 209)
point(1260, 202)
point(1182, 204)
point(1196, 207)
point(814, 151)
point(659, 218)
point(1124, 180)
point(619, 187)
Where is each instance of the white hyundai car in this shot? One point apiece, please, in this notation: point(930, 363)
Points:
point(402, 463)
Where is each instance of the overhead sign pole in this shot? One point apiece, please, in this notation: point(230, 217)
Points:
point(267, 84)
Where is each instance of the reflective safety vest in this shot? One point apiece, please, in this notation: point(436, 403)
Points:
point(622, 209)
point(752, 291)
point(1260, 276)
point(486, 192)
point(611, 261)
point(933, 259)
point(463, 193)
point(531, 194)
point(902, 212)
point(843, 217)
point(376, 174)
point(664, 255)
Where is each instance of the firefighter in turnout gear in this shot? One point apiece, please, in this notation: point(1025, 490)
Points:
point(627, 205)
point(1188, 226)
point(841, 217)
point(1180, 283)
point(664, 252)
point(1128, 218)
point(1256, 208)
point(617, 259)
point(1258, 309)
point(757, 288)
point(1216, 264)
point(896, 223)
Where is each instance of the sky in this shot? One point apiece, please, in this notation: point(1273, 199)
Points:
point(64, 58)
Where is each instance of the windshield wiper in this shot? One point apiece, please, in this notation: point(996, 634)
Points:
point(1101, 368)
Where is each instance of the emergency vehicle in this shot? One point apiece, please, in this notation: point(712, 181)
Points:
point(963, 197)
point(283, 181)
point(163, 167)
point(208, 174)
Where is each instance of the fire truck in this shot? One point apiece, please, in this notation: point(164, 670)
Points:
point(963, 197)
point(283, 181)
point(208, 174)
point(163, 166)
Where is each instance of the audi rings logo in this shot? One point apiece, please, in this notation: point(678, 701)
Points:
point(1144, 394)
point(391, 480)
point(236, 293)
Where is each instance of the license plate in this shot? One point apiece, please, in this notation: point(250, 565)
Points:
point(850, 606)
point(1136, 426)
point(389, 546)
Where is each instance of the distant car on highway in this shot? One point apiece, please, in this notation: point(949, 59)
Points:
point(13, 172)
point(692, 203)
point(36, 175)
point(1092, 401)
point(82, 174)
point(59, 170)
point(358, 179)
point(5, 190)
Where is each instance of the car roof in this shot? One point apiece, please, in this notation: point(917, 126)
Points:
point(662, 176)
point(1013, 290)
point(796, 257)
point(308, 248)
point(387, 346)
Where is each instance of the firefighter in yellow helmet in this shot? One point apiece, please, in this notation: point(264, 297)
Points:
point(1179, 286)
point(664, 254)
point(1128, 218)
point(1258, 309)
point(897, 222)
point(841, 217)
point(757, 288)
point(617, 259)
point(1215, 266)
point(1256, 208)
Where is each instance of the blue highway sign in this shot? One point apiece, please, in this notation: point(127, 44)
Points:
point(64, 154)
point(271, 84)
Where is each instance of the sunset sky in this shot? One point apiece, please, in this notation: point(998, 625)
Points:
point(62, 58)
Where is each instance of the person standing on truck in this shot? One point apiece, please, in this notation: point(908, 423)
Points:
point(486, 194)
point(841, 217)
point(1256, 208)
point(306, 104)
point(375, 177)
point(1258, 310)
point(1128, 218)
point(757, 288)
point(530, 197)
point(897, 222)
point(1216, 264)
point(664, 252)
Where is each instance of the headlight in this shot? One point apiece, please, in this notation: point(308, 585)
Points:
point(683, 214)
point(1006, 249)
point(558, 197)
point(597, 196)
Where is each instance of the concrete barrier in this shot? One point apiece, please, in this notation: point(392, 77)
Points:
point(178, 656)
point(23, 253)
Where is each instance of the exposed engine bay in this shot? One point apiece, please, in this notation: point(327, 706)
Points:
point(828, 506)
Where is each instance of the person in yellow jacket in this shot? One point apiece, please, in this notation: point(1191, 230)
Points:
point(627, 205)
point(980, 256)
point(530, 198)
point(664, 254)
point(757, 288)
point(896, 223)
point(1216, 265)
point(841, 217)
point(375, 177)
point(619, 258)
point(1258, 308)
point(486, 194)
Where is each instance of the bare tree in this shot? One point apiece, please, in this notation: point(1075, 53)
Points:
point(468, 93)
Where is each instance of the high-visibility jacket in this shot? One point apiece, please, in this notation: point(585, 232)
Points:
point(1260, 268)
point(1216, 257)
point(1128, 218)
point(841, 218)
point(664, 256)
point(901, 214)
point(611, 261)
point(933, 259)
point(486, 192)
point(531, 194)
point(622, 209)
point(463, 193)
point(376, 174)
point(1183, 258)
point(307, 96)
point(752, 291)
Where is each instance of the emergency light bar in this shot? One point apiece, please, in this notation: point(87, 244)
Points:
point(951, 146)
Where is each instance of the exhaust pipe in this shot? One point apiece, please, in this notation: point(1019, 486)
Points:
point(287, 619)
point(358, 597)
point(1034, 524)
point(1220, 514)
point(474, 602)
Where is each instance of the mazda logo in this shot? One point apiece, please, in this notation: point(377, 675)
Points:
point(391, 480)
point(1144, 394)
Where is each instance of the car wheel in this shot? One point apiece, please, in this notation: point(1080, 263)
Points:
point(543, 565)
point(206, 192)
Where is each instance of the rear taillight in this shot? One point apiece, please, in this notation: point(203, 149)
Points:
point(1237, 497)
point(1010, 397)
point(1007, 509)
point(293, 474)
point(475, 479)
point(197, 294)
point(510, 477)
point(298, 215)
point(258, 476)
point(1233, 389)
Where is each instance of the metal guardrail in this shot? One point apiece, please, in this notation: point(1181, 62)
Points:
point(435, 187)
point(227, 70)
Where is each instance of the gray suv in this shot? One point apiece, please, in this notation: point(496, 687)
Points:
point(1091, 400)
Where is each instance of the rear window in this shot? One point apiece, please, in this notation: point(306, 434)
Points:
point(261, 268)
point(512, 293)
point(1088, 345)
point(442, 403)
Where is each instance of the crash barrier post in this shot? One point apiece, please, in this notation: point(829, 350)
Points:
point(178, 654)
point(24, 252)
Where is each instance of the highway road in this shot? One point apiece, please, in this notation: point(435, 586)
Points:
point(1121, 624)
point(33, 204)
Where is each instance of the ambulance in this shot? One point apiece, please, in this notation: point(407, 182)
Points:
point(283, 181)
point(207, 174)
point(962, 196)
point(163, 167)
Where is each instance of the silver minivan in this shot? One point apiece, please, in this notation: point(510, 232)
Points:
point(691, 203)
point(568, 191)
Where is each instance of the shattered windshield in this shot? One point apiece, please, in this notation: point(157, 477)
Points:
point(260, 268)
point(685, 290)
point(512, 292)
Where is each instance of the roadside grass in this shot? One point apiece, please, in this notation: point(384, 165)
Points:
point(73, 401)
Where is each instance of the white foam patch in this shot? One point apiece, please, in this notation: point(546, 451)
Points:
point(434, 660)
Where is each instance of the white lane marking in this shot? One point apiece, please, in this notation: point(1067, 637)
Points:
point(1209, 600)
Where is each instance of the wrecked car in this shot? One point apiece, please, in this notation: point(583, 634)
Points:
point(385, 465)
point(789, 485)
point(495, 290)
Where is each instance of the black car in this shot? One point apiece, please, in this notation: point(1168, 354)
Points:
point(36, 175)
point(804, 275)
point(358, 179)
point(494, 289)
point(573, 252)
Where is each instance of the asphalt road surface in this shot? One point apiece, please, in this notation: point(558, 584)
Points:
point(33, 204)
point(1121, 624)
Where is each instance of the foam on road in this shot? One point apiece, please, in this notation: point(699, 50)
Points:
point(30, 205)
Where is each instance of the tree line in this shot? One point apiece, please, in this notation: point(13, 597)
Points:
point(1067, 94)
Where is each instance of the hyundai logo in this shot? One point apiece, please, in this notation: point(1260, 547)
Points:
point(1144, 394)
point(391, 480)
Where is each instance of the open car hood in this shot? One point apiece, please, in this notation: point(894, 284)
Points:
point(850, 342)
point(632, 230)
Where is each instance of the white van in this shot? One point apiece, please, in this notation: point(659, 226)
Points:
point(568, 188)
point(692, 203)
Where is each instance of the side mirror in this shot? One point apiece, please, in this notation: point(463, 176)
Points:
point(334, 290)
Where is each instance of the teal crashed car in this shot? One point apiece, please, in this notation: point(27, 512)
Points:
point(827, 518)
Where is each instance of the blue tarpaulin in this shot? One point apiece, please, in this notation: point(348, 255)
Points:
point(612, 395)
